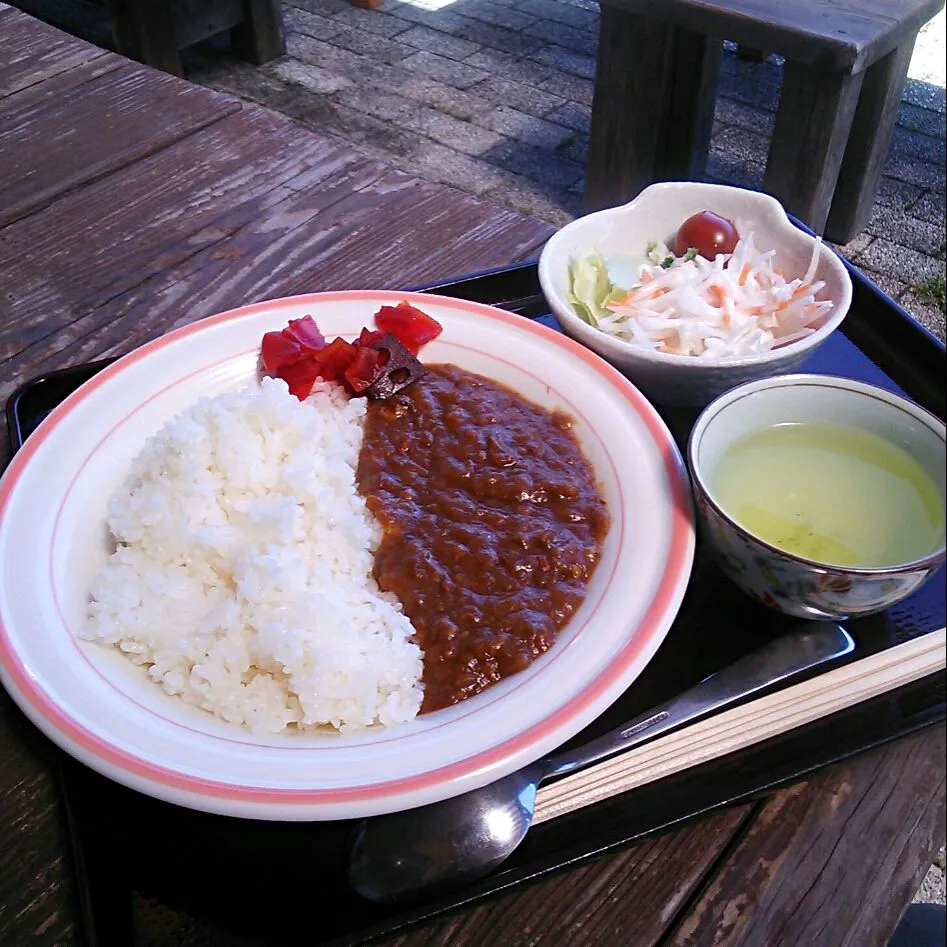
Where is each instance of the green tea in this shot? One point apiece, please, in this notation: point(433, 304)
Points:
point(834, 494)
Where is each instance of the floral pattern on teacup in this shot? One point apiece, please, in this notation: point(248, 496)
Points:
point(797, 588)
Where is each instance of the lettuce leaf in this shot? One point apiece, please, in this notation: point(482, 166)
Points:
point(590, 289)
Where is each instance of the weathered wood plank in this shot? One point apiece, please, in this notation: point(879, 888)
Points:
point(624, 899)
point(33, 52)
point(36, 876)
point(628, 898)
point(80, 134)
point(652, 112)
point(833, 860)
point(846, 35)
point(260, 36)
point(689, 111)
point(144, 30)
point(632, 77)
point(153, 31)
point(196, 20)
point(143, 219)
point(318, 231)
point(54, 88)
point(869, 139)
point(815, 114)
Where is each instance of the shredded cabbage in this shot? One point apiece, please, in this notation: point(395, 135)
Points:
point(737, 304)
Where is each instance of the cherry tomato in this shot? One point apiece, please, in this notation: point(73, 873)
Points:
point(708, 233)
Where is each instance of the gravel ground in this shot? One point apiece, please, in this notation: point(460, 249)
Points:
point(932, 887)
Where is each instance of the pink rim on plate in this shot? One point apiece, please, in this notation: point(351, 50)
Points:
point(630, 647)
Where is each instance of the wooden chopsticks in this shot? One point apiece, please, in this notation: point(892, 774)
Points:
point(746, 725)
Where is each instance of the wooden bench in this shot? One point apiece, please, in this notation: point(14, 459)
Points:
point(846, 66)
point(155, 31)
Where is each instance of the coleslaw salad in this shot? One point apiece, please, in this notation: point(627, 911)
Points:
point(734, 305)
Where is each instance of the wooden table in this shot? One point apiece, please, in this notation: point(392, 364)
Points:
point(203, 204)
point(846, 66)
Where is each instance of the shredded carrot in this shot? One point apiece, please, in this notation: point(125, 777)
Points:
point(744, 274)
point(717, 295)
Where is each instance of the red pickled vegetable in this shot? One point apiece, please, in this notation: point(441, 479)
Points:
point(278, 351)
point(282, 351)
point(299, 353)
point(365, 368)
point(306, 333)
point(334, 359)
point(708, 233)
point(369, 337)
point(411, 327)
point(300, 376)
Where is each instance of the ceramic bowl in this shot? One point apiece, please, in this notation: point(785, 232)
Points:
point(621, 235)
point(786, 582)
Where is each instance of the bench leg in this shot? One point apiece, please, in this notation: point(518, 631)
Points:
point(143, 30)
point(868, 144)
point(652, 111)
point(691, 95)
point(815, 114)
point(260, 37)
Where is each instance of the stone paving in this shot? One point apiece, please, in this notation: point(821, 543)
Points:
point(492, 97)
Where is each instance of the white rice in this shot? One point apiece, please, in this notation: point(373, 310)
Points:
point(242, 573)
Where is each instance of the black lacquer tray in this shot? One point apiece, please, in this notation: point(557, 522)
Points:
point(242, 881)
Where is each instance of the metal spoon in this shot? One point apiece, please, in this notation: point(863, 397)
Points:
point(407, 854)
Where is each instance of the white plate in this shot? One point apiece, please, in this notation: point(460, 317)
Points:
point(102, 710)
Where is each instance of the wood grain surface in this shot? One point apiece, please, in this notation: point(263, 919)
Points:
point(630, 898)
point(260, 36)
point(31, 56)
point(656, 75)
point(124, 114)
point(816, 109)
point(827, 862)
point(868, 142)
point(634, 62)
point(846, 35)
point(832, 860)
point(216, 206)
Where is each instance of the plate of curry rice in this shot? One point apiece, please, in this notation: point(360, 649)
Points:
point(300, 561)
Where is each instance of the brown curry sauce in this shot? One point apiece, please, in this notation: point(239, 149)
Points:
point(492, 525)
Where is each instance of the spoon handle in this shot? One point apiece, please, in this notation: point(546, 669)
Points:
point(789, 655)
